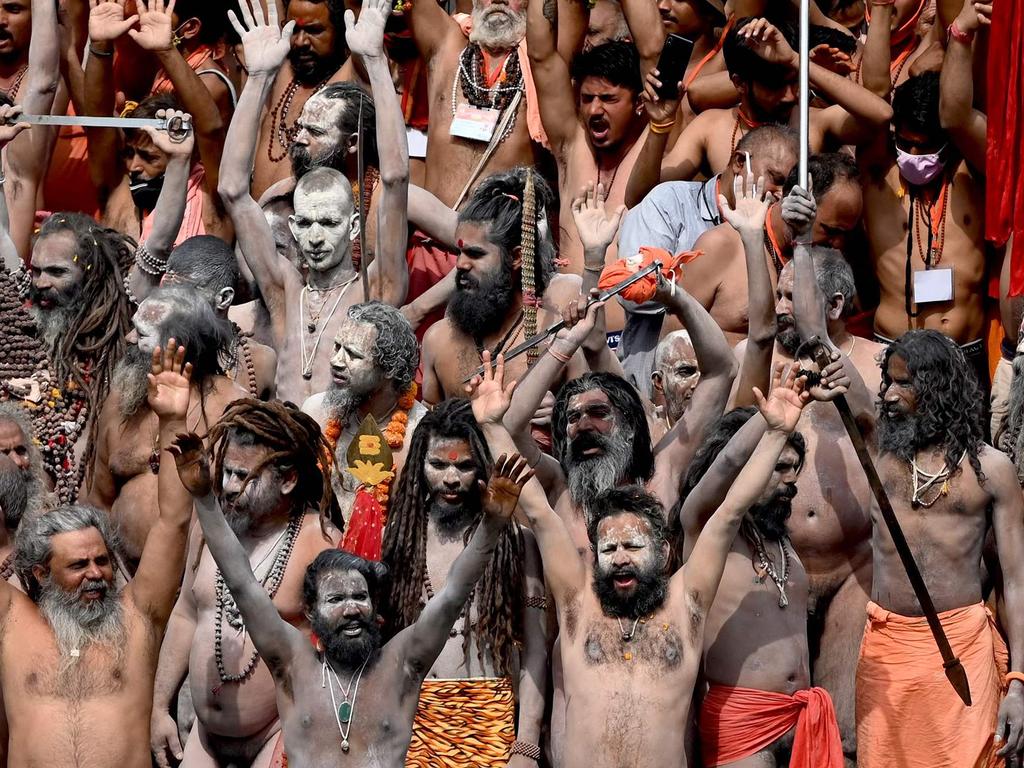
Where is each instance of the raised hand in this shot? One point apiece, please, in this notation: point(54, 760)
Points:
point(765, 39)
point(489, 394)
point(832, 59)
point(501, 493)
point(751, 207)
point(786, 400)
point(156, 28)
point(264, 43)
point(659, 110)
point(580, 319)
point(799, 211)
point(9, 125)
point(365, 37)
point(164, 141)
point(596, 226)
point(192, 462)
point(170, 382)
point(107, 21)
point(974, 15)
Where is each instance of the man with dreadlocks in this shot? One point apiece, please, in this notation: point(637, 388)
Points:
point(505, 286)
point(496, 654)
point(78, 654)
point(123, 478)
point(271, 469)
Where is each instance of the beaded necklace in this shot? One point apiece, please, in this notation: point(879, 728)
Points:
point(279, 128)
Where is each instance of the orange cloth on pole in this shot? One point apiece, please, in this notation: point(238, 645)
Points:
point(739, 722)
point(643, 290)
point(908, 714)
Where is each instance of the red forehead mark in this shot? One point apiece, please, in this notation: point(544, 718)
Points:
point(453, 455)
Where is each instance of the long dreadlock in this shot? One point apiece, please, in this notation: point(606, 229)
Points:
point(295, 442)
point(87, 351)
point(499, 595)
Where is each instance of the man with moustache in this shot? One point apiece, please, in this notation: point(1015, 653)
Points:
point(77, 651)
point(14, 500)
point(372, 369)
point(630, 634)
point(494, 664)
point(123, 479)
point(370, 715)
point(488, 310)
point(272, 480)
point(675, 375)
point(306, 311)
point(18, 445)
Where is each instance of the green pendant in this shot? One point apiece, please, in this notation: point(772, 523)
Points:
point(345, 712)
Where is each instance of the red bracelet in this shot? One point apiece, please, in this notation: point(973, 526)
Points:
point(955, 33)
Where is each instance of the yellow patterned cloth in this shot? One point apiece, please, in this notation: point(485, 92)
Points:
point(463, 723)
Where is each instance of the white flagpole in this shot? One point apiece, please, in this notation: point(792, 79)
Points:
point(805, 89)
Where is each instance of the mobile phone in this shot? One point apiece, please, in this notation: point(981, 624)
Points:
point(675, 56)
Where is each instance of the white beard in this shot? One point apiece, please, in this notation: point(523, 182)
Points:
point(497, 28)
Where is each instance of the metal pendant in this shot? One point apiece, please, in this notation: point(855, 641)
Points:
point(783, 600)
point(307, 375)
point(344, 746)
point(345, 712)
point(311, 327)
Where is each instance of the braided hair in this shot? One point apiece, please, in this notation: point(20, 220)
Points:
point(87, 351)
point(295, 442)
point(499, 593)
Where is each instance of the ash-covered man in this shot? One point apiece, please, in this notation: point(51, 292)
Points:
point(349, 699)
point(630, 634)
point(496, 656)
point(77, 651)
point(271, 470)
point(306, 311)
point(124, 478)
point(676, 374)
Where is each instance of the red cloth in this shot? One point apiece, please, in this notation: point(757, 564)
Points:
point(364, 532)
point(739, 722)
point(429, 261)
point(643, 290)
point(1004, 158)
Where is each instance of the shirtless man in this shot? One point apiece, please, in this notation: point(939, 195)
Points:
point(713, 280)
point(764, 68)
point(123, 478)
point(436, 503)
point(341, 598)
point(76, 650)
point(372, 369)
point(15, 34)
point(675, 376)
point(14, 500)
point(315, 55)
point(931, 176)
point(631, 635)
point(279, 511)
point(899, 44)
point(306, 309)
point(487, 310)
point(18, 445)
point(695, 20)
point(209, 266)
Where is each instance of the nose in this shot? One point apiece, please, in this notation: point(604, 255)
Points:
point(94, 572)
point(316, 234)
point(350, 609)
point(232, 486)
point(20, 460)
point(302, 137)
point(783, 306)
point(890, 395)
point(135, 164)
point(300, 39)
point(664, 6)
point(132, 337)
point(451, 478)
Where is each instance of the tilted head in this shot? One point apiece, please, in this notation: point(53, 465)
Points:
point(341, 596)
point(207, 264)
point(327, 131)
point(609, 82)
point(489, 238)
point(769, 91)
point(146, 164)
point(690, 18)
point(375, 348)
point(774, 152)
point(17, 444)
point(922, 147)
point(627, 532)
point(675, 374)
point(835, 281)
point(600, 435)
point(318, 39)
point(277, 210)
point(324, 222)
point(837, 193)
point(606, 25)
point(498, 25)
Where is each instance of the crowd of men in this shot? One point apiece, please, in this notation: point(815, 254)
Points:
point(433, 384)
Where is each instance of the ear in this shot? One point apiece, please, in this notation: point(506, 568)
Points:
point(289, 482)
point(40, 572)
point(836, 305)
point(189, 28)
point(739, 84)
point(517, 257)
point(354, 226)
point(352, 144)
point(739, 164)
point(308, 613)
point(657, 383)
point(225, 298)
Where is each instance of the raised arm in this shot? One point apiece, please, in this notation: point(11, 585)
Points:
point(9, 129)
point(967, 126)
point(647, 31)
point(747, 218)
point(430, 26)
point(551, 75)
point(781, 411)
point(500, 494)
point(389, 272)
point(154, 587)
point(266, 47)
point(661, 115)
point(876, 56)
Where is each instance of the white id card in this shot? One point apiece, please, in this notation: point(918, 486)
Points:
point(417, 142)
point(474, 123)
point(932, 285)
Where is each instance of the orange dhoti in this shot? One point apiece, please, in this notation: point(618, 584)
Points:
point(739, 722)
point(463, 723)
point(908, 714)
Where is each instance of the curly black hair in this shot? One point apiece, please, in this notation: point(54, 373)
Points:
point(618, 62)
point(915, 105)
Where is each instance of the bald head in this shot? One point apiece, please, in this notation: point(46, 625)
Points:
point(675, 374)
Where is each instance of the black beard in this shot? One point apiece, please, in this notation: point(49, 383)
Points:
point(303, 162)
point(130, 381)
point(648, 595)
point(770, 517)
point(898, 435)
point(312, 74)
point(786, 334)
point(480, 309)
point(451, 520)
point(589, 476)
point(347, 653)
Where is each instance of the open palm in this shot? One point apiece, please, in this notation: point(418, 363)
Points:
point(785, 401)
point(170, 382)
point(155, 27)
point(596, 225)
point(501, 494)
point(365, 37)
point(107, 21)
point(490, 397)
point(752, 203)
point(265, 44)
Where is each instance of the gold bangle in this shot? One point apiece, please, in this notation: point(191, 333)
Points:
point(662, 127)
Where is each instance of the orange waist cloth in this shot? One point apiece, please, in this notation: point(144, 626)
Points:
point(908, 715)
point(739, 722)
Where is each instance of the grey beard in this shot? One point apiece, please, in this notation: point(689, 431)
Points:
point(52, 323)
point(130, 382)
point(342, 403)
point(591, 476)
point(77, 624)
point(503, 36)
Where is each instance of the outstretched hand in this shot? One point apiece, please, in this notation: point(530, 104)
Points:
point(751, 207)
point(501, 493)
point(490, 396)
point(264, 43)
point(192, 463)
point(169, 382)
point(107, 21)
point(365, 37)
point(156, 27)
point(786, 399)
point(597, 227)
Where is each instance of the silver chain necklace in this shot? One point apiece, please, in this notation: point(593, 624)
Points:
point(345, 713)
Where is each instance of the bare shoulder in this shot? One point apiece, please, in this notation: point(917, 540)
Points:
point(314, 406)
point(718, 245)
point(314, 538)
point(999, 470)
point(438, 333)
